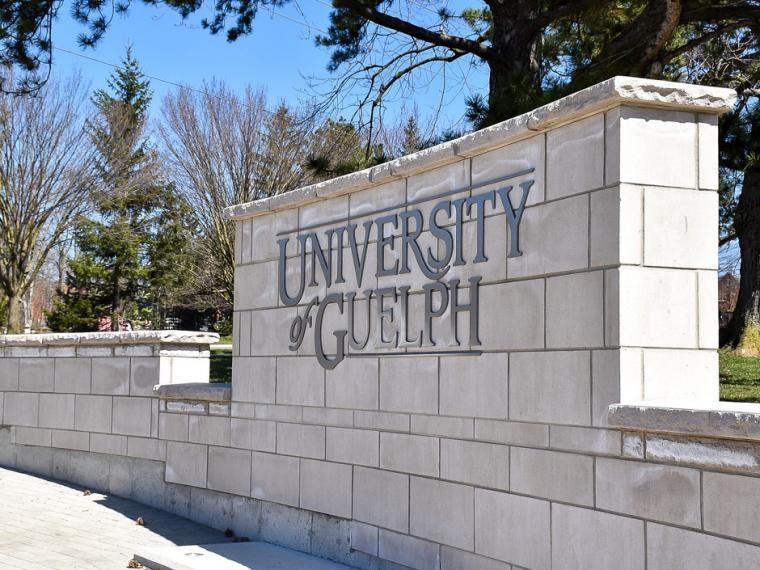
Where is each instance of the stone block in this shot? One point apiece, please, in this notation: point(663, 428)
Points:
point(532, 435)
point(355, 446)
point(93, 413)
point(57, 411)
point(271, 326)
point(326, 488)
point(731, 505)
point(617, 226)
point(575, 310)
point(264, 230)
point(513, 529)
point(254, 379)
point(633, 445)
point(552, 387)
point(32, 436)
point(586, 440)
point(131, 416)
point(453, 559)
point(482, 464)
point(558, 235)
point(582, 538)
point(253, 434)
point(432, 504)
point(409, 453)
point(364, 538)
point(301, 440)
point(9, 369)
point(518, 302)
point(707, 127)
point(328, 417)
point(409, 551)
point(409, 384)
point(323, 212)
point(449, 178)
point(21, 409)
point(229, 470)
point(145, 448)
point(109, 444)
point(71, 439)
point(575, 157)
point(606, 370)
point(286, 526)
point(381, 498)
point(565, 477)
point(687, 375)
point(256, 286)
point(462, 428)
point(173, 426)
point(36, 374)
point(681, 228)
point(669, 548)
point(186, 464)
point(353, 384)
point(278, 413)
point(300, 381)
point(654, 492)
point(209, 429)
point(210, 508)
point(110, 376)
point(383, 421)
point(475, 386)
point(275, 478)
point(143, 375)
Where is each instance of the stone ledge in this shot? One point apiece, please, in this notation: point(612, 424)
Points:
point(194, 391)
point(600, 97)
point(109, 338)
point(717, 420)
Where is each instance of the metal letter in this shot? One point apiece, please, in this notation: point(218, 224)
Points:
point(352, 342)
point(472, 307)
point(329, 363)
point(429, 312)
point(382, 313)
point(286, 299)
point(442, 234)
point(513, 220)
point(480, 201)
point(405, 340)
point(382, 241)
point(359, 262)
point(318, 254)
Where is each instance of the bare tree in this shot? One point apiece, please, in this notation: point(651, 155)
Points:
point(45, 157)
point(225, 149)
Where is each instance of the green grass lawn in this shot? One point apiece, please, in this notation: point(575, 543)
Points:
point(739, 377)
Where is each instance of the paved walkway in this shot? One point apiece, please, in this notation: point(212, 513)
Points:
point(46, 524)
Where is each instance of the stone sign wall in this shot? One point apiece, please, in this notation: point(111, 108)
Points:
point(477, 356)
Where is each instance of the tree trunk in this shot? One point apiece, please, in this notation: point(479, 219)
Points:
point(746, 315)
point(15, 315)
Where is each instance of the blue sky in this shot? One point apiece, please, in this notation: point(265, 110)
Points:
point(279, 55)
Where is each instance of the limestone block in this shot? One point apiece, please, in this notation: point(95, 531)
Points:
point(552, 475)
point(669, 548)
point(533, 435)
point(9, 368)
point(519, 302)
point(409, 384)
point(186, 464)
point(32, 436)
point(617, 226)
point(731, 505)
point(353, 384)
point(272, 328)
point(300, 381)
point(384, 196)
point(605, 382)
point(145, 448)
point(462, 428)
point(482, 464)
point(651, 146)
point(254, 379)
point(575, 157)
point(173, 426)
point(286, 526)
point(355, 446)
point(256, 286)
point(110, 376)
point(93, 413)
point(409, 453)
point(449, 178)
point(550, 387)
point(582, 538)
point(553, 238)
point(21, 409)
point(475, 386)
point(323, 212)
point(633, 445)
point(264, 230)
point(229, 470)
point(57, 411)
point(211, 508)
point(409, 551)
point(328, 417)
point(301, 440)
point(453, 559)
point(707, 127)
point(143, 375)
point(575, 310)
point(253, 434)
point(109, 444)
point(364, 538)
point(381, 498)
point(493, 166)
point(275, 478)
point(326, 487)
point(513, 529)
point(586, 440)
point(383, 421)
point(36, 374)
point(280, 413)
point(688, 375)
point(655, 492)
point(242, 333)
point(131, 416)
point(431, 504)
point(212, 430)
point(71, 439)
point(681, 228)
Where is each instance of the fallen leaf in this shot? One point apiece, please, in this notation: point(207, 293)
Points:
point(229, 533)
point(134, 564)
point(87, 492)
point(140, 521)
